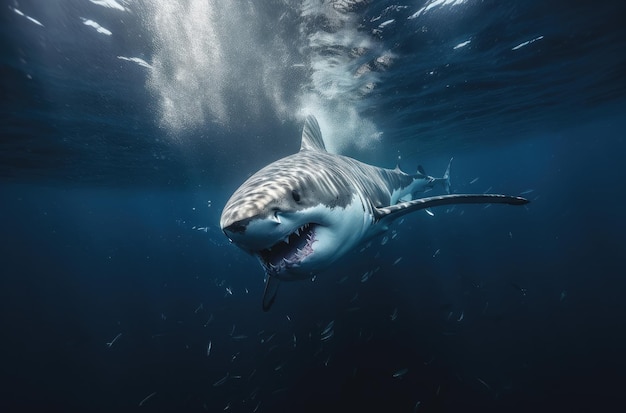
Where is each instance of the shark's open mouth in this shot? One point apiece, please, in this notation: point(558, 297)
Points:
point(290, 251)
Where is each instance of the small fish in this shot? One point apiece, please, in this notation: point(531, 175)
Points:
point(366, 276)
point(429, 212)
point(384, 240)
point(267, 340)
point(229, 291)
point(329, 327)
point(488, 189)
point(232, 331)
point(109, 344)
point(397, 261)
point(209, 320)
point(473, 181)
point(208, 349)
point(394, 315)
point(563, 295)
point(510, 235)
point(400, 373)
point(222, 380)
point(198, 309)
point(146, 399)
point(417, 405)
point(483, 383)
point(240, 337)
point(328, 335)
point(437, 252)
point(526, 192)
point(461, 317)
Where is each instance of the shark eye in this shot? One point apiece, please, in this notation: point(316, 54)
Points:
point(296, 195)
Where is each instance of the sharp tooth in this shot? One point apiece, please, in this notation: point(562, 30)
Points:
point(298, 232)
point(286, 240)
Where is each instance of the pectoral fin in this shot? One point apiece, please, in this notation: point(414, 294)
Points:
point(271, 288)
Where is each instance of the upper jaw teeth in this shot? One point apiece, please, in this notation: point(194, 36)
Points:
point(297, 232)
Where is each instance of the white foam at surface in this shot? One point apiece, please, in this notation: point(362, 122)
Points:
point(519, 46)
point(341, 80)
point(462, 44)
point(111, 4)
point(386, 23)
point(435, 3)
point(37, 22)
point(95, 25)
point(210, 65)
point(137, 60)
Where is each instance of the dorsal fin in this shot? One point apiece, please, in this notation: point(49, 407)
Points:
point(397, 168)
point(312, 136)
point(421, 170)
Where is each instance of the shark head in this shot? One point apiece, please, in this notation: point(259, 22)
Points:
point(296, 215)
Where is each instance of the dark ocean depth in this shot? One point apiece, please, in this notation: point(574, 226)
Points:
point(127, 125)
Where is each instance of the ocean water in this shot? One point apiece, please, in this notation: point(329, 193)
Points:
point(126, 125)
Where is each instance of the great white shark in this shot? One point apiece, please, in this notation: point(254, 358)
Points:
point(301, 213)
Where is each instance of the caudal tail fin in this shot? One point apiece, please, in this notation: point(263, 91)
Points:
point(446, 177)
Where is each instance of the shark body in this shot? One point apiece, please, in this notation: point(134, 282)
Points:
point(301, 213)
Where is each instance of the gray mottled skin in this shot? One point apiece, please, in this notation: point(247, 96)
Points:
point(318, 177)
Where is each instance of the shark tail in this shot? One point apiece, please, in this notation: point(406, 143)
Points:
point(395, 211)
point(446, 177)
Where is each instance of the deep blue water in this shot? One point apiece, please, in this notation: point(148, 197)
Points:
point(114, 171)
